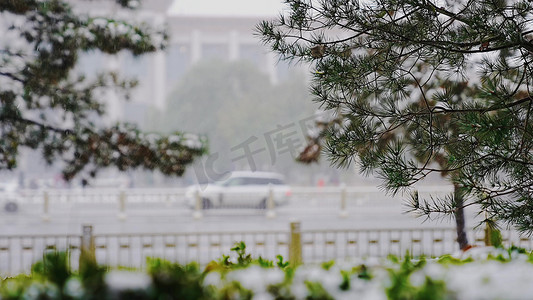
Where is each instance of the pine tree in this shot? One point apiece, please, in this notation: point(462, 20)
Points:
point(46, 106)
point(421, 87)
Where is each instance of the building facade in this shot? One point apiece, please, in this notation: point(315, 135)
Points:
point(197, 32)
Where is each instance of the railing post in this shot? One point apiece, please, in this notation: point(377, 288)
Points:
point(344, 212)
point(122, 206)
point(46, 204)
point(197, 214)
point(168, 200)
point(271, 213)
point(87, 248)
point(493, 236)
point(295, 244)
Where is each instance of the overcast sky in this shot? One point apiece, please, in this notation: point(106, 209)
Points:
point(226, 7)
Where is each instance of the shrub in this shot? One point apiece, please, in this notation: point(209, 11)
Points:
point(480, 273)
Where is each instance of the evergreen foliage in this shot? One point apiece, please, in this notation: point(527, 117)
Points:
point(482, 273)
point(421, 87)
point(46, 106)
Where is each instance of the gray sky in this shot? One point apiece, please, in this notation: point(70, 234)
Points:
point(226, 7)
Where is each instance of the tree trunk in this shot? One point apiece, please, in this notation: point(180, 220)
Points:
point(462, 240)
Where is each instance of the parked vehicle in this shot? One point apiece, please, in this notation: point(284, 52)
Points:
point(9, 196)
point(241, 189)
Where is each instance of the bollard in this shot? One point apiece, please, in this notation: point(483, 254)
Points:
point(169, 201)
point(344, 212)
point(295, 244)
point(122, 206)
point(487, 232)
point(271, 213)
point(46, 203)
point(87, 255)
point(493, 236)
point(197, 214)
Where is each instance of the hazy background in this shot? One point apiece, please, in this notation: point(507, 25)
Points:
point(214, 78)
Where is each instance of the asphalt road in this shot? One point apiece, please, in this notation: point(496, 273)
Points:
point(68, 218)
point(182, 243)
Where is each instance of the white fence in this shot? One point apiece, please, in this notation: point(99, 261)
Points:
point(148, 195)
point(18, 253)
point(343, 197)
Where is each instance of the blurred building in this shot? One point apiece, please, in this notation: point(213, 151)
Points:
point(198, 30)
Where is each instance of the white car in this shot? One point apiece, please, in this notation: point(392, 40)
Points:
point(9, 196)
point(241, 189)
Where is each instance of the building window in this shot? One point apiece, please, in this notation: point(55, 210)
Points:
point(215, 51)
point(177, 61)
point(91, 63)
point(134, 66)
point(254, 54)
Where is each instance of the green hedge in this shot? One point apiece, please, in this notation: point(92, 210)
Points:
point(480, 273)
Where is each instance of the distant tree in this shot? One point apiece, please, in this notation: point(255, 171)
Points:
point(236, 101)
point(45, 106)
point(423, 87)
point(228, 96)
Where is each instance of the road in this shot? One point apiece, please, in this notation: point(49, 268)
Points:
point(170, 229)
point(157, 217)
